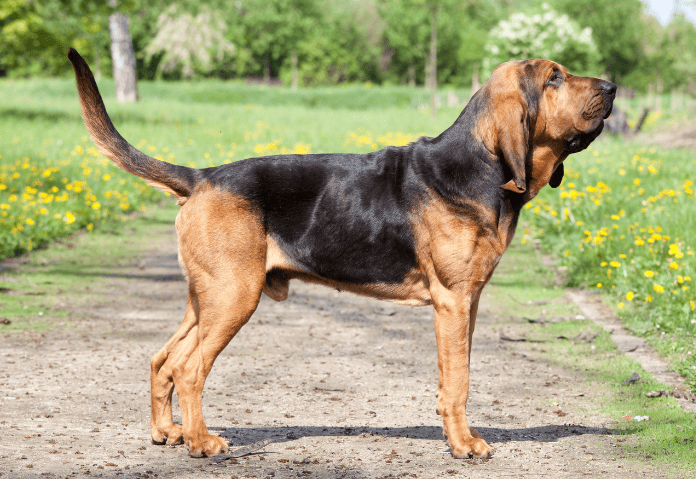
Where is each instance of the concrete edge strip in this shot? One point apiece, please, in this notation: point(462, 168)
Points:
point(592, 308)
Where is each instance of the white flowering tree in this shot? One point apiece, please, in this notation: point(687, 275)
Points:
point(188, 43)
point(547, 35)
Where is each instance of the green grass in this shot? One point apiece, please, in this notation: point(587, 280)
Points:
point(219, 92)
point(43, 289)
point(665, 111)
point(622, 222)
point(668, 437)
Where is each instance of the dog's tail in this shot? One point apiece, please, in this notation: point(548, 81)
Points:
point(178, 180)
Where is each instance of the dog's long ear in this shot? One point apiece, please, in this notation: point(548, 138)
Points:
point(513, 133)
point(516, 109)
point(557, 177)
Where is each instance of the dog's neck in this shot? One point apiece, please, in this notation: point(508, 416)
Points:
point(458, 165)
point(545, 160)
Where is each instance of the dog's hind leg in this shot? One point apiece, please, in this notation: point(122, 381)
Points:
point(162, 426)
point(212, 319)
point(222, 248)
point(222, 310)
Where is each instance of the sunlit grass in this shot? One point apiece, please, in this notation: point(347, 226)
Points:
point(622, 222)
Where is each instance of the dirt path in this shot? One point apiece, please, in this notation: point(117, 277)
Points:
point(345, 385)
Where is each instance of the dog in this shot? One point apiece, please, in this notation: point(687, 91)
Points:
point(422, 224)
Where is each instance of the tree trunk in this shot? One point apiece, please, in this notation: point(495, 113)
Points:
point(432, 73)
point(123, 58)
point(295, 73)
point(267, 70)
point(658, 95)
point(411, 75)
point(426, 81)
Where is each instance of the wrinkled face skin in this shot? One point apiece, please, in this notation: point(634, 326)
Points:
point(572, 109)
point(570, 115)
point(541, 114)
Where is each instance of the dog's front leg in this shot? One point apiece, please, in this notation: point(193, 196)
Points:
point(455, 317)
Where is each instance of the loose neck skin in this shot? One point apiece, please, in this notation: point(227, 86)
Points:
point(545, 160)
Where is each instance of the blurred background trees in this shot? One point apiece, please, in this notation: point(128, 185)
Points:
point(325, 42)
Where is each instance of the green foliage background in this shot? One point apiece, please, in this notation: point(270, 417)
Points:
point(337, 41)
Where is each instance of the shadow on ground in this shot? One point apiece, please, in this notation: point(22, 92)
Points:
point(548, 433)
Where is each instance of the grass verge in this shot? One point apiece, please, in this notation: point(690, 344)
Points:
point(40, 290)
point(668, 438)
point(622, 223)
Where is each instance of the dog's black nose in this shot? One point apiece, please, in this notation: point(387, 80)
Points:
point(607, 87)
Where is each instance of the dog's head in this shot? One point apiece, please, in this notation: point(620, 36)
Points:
point(537, 115)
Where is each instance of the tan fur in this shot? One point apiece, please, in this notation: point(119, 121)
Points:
point(225, 282)
point(458, 254)
point(412, 291)
point(277, 289)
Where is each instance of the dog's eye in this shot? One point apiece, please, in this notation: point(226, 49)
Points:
point(556, 79)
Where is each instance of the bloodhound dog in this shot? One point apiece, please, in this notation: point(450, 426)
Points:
point(422, 224)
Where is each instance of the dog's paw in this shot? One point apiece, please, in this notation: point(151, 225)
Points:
point(206, 446)
point(171, 435)
point(475, 447)
point(467, 447)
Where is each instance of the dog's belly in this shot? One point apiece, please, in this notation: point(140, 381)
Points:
point(411, 289)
